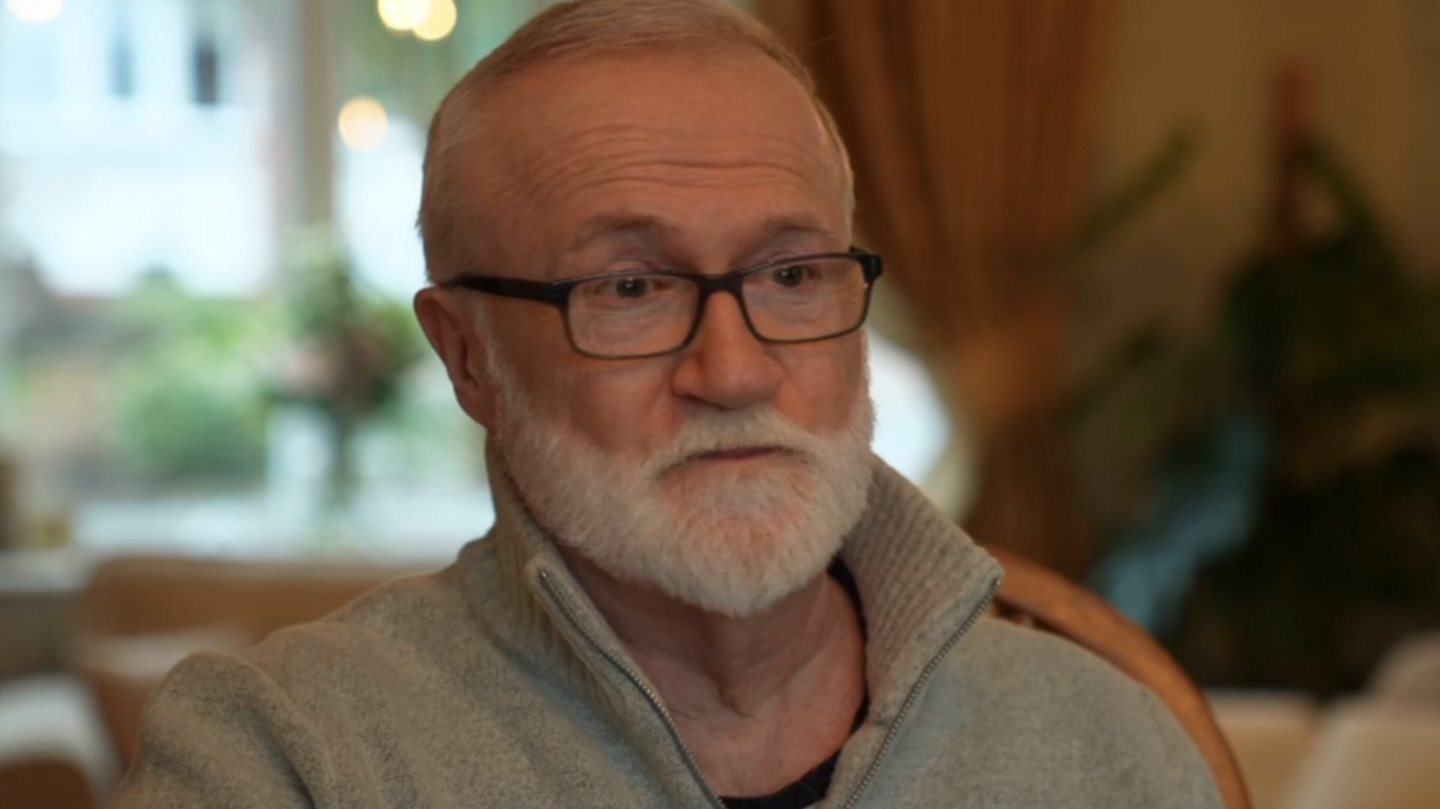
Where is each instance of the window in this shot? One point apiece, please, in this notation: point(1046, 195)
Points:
point(173, 340)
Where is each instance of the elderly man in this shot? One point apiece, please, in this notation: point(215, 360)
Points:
point(701, 588)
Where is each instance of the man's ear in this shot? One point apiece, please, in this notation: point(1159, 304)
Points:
point(454, 338)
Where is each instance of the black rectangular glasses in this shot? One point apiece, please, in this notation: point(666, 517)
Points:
point(645, 314)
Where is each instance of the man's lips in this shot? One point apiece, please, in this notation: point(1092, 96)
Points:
point(719, 459)
point(740, 453)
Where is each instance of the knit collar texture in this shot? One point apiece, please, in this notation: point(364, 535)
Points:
point(922, 582)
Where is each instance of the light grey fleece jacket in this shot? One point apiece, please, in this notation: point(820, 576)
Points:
point(495, 682)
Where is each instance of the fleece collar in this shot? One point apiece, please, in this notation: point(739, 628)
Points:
point(921, 581)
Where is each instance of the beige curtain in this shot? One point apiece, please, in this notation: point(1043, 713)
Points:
point(969, 124)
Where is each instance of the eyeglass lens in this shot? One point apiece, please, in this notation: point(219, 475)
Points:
point(654, 313)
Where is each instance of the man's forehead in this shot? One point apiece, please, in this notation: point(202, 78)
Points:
point(728, 116)
point(648, 65)
point(650, 229)
point(713, 91)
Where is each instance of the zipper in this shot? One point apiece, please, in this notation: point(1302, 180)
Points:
point(573, 615)
point(914, 694)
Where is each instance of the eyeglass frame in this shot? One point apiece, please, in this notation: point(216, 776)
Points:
point(557, 294)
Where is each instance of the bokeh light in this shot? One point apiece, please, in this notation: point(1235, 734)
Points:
point(36, 10)
point(403, 15)
point(363, 123)
point(439, 22)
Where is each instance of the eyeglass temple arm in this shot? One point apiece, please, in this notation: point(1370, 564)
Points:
point(543, 291)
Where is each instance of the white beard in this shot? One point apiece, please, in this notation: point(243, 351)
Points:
point(729, 537)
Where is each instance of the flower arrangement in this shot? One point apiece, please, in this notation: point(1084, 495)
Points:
point(350, 353)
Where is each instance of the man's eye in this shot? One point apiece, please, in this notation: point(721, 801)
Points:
point(631, 287)
point(791, 276)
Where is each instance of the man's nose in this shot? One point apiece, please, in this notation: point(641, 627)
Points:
point(726, 365)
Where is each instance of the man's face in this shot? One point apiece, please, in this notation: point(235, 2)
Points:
point(706, 163)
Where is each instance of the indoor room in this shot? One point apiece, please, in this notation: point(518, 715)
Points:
point(1158, 327)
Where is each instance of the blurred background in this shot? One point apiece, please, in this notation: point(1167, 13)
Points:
point(1162, 312)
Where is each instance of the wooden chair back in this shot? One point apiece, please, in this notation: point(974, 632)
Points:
point(138, 616)
point(44, 782)
point(1036, 597)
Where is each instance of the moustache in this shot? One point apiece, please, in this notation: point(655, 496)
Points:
point(718, 433)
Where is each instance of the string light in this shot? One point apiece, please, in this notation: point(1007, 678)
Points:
point(363, 123)
point(36, 10)
point(403, 15)
point(439, 22)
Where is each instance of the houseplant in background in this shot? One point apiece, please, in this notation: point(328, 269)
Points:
point(1291, 454)
point(349, 352)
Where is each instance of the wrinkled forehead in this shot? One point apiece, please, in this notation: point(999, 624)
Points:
point(707, 85)
point(721, 115)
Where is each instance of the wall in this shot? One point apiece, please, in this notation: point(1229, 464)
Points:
point(1375, 68)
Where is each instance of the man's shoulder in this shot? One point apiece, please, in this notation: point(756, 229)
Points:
point(1016, 717)
point(412, 646)
point(411, 626)
point(1017, 675)
point(389, 701)
point(1030, 701)
point(1024, 658)
point(381, 633)
point(405, 624)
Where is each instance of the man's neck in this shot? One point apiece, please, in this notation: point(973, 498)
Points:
point(758, 700)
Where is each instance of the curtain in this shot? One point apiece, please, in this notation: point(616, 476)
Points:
point(970, 123)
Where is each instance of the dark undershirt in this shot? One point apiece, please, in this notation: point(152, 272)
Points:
point(811, 787)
